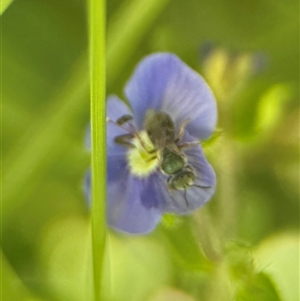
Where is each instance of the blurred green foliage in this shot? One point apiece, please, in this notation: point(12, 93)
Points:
point(242, 242)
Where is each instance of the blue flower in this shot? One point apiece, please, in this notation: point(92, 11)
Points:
point(139, 191)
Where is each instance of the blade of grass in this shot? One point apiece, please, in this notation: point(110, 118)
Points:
point(126, 29)
point(98, 134)
point(43, 142)
point(4, 5)
point(11, 286)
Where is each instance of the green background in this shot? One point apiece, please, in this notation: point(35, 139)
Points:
point(244, 243)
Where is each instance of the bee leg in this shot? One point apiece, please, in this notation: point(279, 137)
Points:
point(142, 142)
point(152, 158)
point(152, 151)
point(121, 122)
point(124, 119)
point(132, 132)
point(188, 144)
point(182, 129)
point(169, 187)
point(184, 194)
point(124, 123)
point(125, 140)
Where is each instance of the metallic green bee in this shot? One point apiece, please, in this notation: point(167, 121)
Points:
point(161, 131)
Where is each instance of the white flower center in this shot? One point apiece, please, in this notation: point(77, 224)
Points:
point(141, 160)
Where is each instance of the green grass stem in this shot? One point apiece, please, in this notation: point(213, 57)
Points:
point(98, 134)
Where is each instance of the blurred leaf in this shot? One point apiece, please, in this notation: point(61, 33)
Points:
point(271, 108)
point(240, 261)
point(213, 138)
point(244, 109)
point(44, 141)
point(170, 294)
point(65, 259)
point(184, 245)
point(138, 266)
point(220, 286)
point(278, 256)
point(135, 266)
point(12, 288)
point(260, 287)
point(250, 285)
point(4, 5)
point(230, 24)
point(40, 42)
point(227, 72)
point(255, 220)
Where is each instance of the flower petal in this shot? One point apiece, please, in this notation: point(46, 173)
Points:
point(157, 194)
point(163, 82)
point(116, 167)
point(115, 107)
point(125, 210)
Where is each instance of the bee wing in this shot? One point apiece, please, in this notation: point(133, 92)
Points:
point(160, 128)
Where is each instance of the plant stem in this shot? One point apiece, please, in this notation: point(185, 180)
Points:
point(98, 133)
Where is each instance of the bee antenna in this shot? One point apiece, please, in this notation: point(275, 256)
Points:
point(184, 194)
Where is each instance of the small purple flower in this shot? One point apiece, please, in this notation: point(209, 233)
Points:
point(139, 192)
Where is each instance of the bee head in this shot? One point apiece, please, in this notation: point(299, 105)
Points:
point(182, 179)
